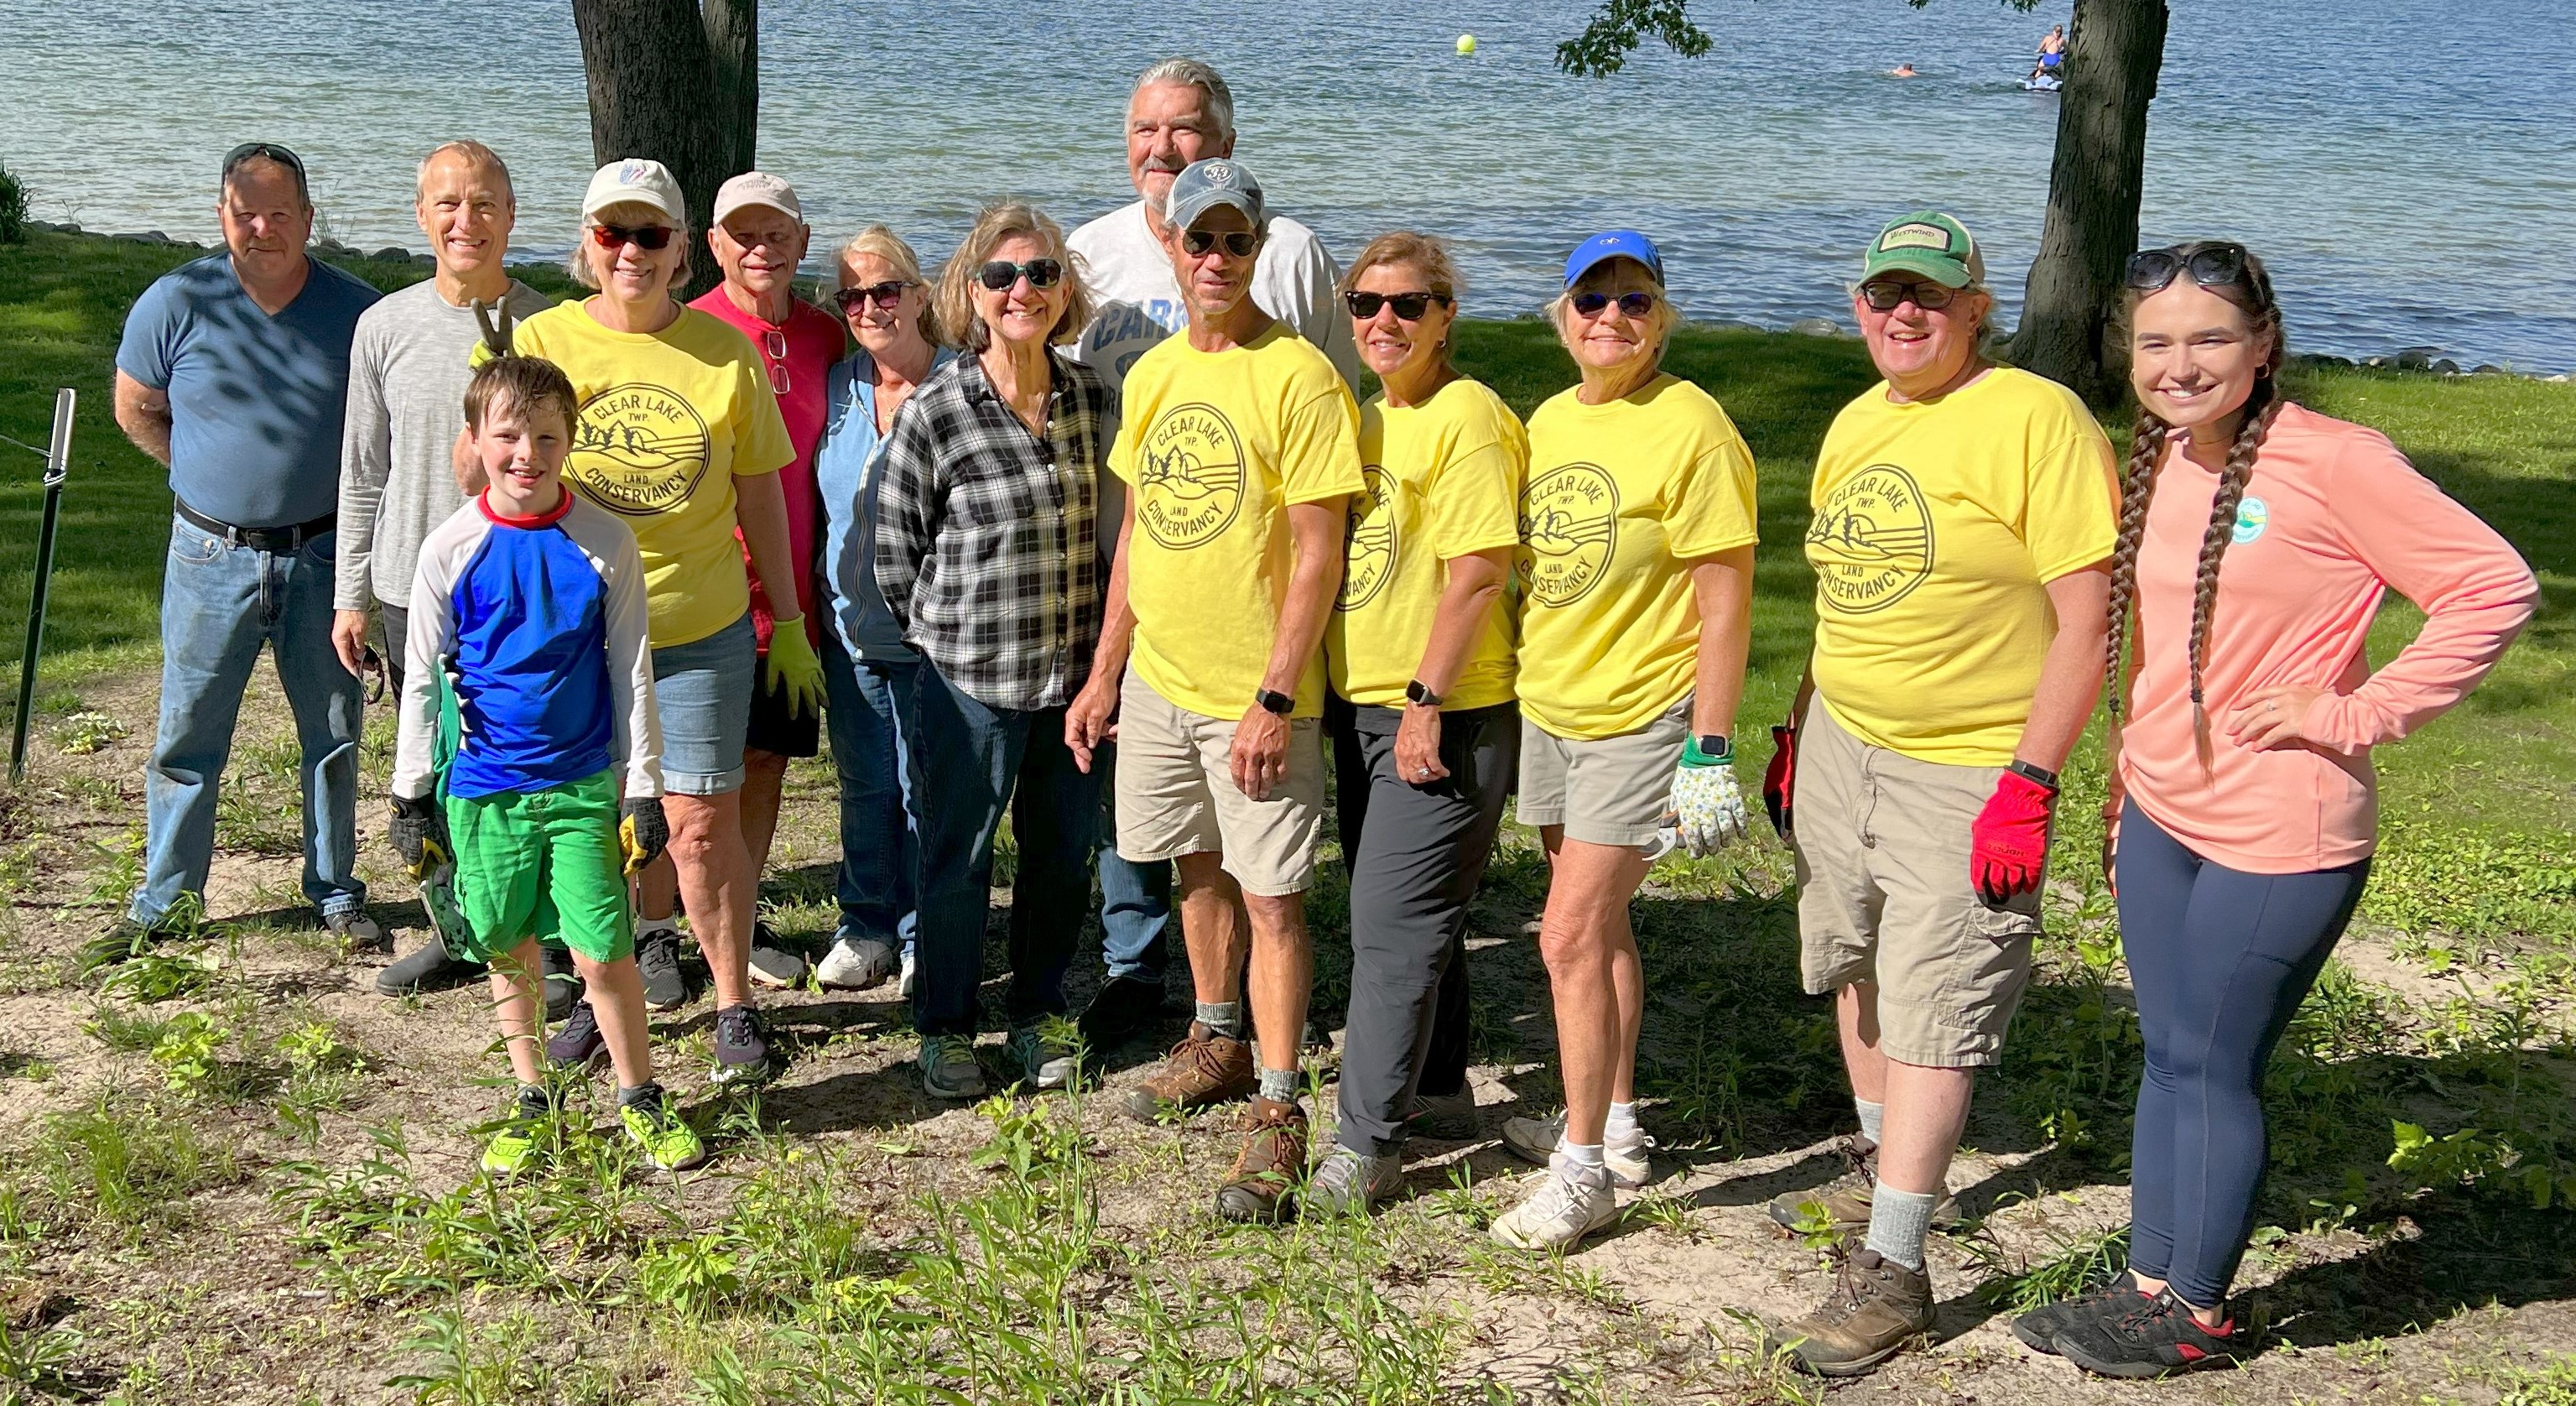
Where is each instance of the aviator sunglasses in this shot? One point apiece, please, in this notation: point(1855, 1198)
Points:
point(2217, 266)
point(1889, 296)
point(655, 238)
point(1409, 307)
point(887, 296)
point(1000, 274)
point(1238, 242)
point(1635, 305)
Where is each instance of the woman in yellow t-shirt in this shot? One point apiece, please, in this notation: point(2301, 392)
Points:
point(1636, 610)
point(1425, 734)
point(681, 437)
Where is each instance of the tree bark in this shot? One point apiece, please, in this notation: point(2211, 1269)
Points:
point(676, 85)
point(2094, 184)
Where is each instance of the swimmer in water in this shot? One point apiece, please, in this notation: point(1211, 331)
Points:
point(1903, 70)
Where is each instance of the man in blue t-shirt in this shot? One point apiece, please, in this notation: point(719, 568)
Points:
point(232, 372)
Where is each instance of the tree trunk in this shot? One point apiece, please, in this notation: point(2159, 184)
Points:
point(2093, 189)
point(673, 85)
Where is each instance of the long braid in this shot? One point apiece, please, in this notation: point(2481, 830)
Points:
point(2260, 408)
point(2137, 487)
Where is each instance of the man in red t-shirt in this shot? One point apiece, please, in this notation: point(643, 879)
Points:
point(758, 237)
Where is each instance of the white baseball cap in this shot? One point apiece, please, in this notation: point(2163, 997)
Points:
point(758, 188)
point(635, 181)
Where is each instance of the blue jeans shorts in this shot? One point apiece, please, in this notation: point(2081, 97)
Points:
point(702, 694)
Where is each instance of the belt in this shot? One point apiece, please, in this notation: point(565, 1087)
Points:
point(263, 539)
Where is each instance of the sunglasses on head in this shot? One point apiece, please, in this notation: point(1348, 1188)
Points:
point(1409, 307)
point(1238, 242)
point(887, 296)
point(1632, 304)
point(2216, 266)
point(1888, 295)
point(654, 238)
point(1000, 274)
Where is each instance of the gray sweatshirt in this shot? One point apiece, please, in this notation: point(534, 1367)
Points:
point(407, 374)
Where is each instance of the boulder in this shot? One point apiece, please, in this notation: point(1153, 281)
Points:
point(2446, 367)
point(392, 254)
point(148, 236)
point(1815, 327)
point(2417, 358)
point(2323, 360)
point(2379, 361)
point(2488, 368)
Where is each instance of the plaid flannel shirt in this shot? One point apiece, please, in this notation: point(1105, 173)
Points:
point(987, 535)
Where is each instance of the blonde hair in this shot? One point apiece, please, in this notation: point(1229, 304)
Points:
point(577, 263)
point(1419, 251)
point(998, 222)
point(885, 244)
point(1659, 324)
point(477, 157)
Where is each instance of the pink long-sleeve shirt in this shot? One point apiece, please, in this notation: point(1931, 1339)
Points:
point(2333, 516)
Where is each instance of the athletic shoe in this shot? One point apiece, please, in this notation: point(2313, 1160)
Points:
point(1846, 1198)
point(1125, 1008)
point(948, 1067)
point(1875, 1308)
point(1351, 1182)
point(772, 964)
point(514, 1145)
point(563, 983)
point(657, 960)
point(2154, 1339)
point(1536, 1140)
point(1204, 1069)
point(358, 932)
point(1444, 1117)
point(903, 983)
point(654, 1126)
point(578, 1046)
point(1569, 1203)
point(1267, 1170)
point(742, 1055)
point(427, 967)
point(123, 942)
point(2038, 1329)
point(1043, 1060)
point(855, 964)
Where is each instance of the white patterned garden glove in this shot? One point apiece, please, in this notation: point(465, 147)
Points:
point(1708, 807)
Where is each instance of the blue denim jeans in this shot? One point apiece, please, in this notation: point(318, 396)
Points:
point(968, 762)
point(219, 603)
point(878, 830)
point(1135, 899)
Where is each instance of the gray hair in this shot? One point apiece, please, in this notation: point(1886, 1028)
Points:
point(475, 154)
point(1195, 74)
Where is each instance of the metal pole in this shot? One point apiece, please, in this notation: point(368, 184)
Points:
point(58, 466)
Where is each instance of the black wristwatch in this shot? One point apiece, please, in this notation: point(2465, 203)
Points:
point(1419, 692)
point(1278, 703)
point(2028, 772)
point(1716, 744)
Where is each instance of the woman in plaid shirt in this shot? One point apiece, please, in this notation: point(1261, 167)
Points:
point(987, 552)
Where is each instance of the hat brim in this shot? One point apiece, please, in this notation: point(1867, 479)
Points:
point(1939, 267)
point(755, 202)
point(1575, 272)
point(1187, 213)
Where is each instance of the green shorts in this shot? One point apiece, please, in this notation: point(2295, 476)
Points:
point(541, 863)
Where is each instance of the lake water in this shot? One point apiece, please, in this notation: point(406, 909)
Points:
point(2408, 167)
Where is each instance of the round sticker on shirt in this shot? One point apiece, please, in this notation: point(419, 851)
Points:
point(1189, 477)
point(1368, 540)
point(1570, 526)
point(1871, 542)
point(638, 449)
point(2252, 516)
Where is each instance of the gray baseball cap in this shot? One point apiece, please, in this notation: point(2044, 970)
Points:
point(1204, 185)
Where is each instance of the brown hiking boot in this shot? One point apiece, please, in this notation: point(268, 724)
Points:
point(1876, 1306)
point(1845, 1200)
point(1271, 1164)
point(1201, 1071)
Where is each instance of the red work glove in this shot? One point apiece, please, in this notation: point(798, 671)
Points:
point(1781, 777)
point(2010, 845)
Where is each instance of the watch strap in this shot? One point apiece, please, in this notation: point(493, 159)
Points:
point(1279, 703)
point(2028, 772)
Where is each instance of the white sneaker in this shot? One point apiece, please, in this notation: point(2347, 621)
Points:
point(903, 984)
point(855, 964)
point(1569, 1203)
point(1536, 1140)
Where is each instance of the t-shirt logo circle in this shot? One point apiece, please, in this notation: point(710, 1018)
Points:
point(1871, 542)
point(2252, 516)
point(1570, 529)
point(1368, 539)
point(1189, 480)
point(638, 449)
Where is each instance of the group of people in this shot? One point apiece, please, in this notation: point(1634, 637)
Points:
point(1089, 529)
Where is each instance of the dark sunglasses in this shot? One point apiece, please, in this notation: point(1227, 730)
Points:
point(1409, 307)
point(2214, 267)
point(887, 296)
point(1238, 242)
point(1000, 274)
point(1888, 297)
point(1633, 304)
point(263, 151)
point(654, 238)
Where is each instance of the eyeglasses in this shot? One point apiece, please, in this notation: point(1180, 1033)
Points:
point(1000, 274)
point(1888, 296)
point(1238, 242)
point(1409, 307)
point(1591, 304)
point(654, 238)
point(773, 352)
point(263, 151)
point(887, 296)
point(2215, 266)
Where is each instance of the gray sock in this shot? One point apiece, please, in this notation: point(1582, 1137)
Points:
point(628, 1098)
point(1872, 1115)
point(1279, 1085)
point(1898, 1221)
point(1222, 1018)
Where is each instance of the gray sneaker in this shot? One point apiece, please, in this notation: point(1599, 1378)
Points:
point(358, 932)
point(776, 967)
point(1352, 1182)
point(1043, 1060)
point(1444, 1117)
point(948, 1067)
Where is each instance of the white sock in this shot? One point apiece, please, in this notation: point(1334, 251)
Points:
point(647, 926)
point(1622, 1124)
point(1898, 1221)
point(1582, 1156)
point(1872, 1116)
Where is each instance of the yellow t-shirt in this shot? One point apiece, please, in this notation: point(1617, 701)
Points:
point(1619, 496)
point(1217, 446)
point(668, 421)
point(1937, 524)
point(1442, 479)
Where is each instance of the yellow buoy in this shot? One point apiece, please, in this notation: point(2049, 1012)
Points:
point(1466, 43)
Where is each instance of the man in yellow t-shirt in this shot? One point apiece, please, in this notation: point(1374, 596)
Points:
point(1239, 444)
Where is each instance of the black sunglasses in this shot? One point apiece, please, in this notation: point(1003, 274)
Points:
point(886, 295)
point(1408, 306)
point(1000, 274)
point(1238, 242)
point(2216, 266)
point(1888, 296)
point(654, 238)
point(1633, 304)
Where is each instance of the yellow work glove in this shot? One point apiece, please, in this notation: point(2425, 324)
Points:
point(791, 663)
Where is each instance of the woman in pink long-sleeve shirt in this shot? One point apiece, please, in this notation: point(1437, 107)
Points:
point(2257, 539)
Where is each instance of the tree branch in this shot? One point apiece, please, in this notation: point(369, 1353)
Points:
point(1619, 26)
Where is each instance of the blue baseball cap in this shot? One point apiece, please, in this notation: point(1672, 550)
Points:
point(1202, 186)
point(1613, 244)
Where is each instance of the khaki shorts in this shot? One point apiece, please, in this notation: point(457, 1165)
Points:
point(1605, 790)
point(1883, 895)
point(1176, 795)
